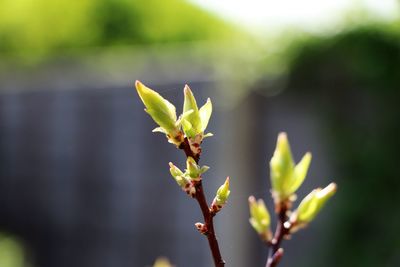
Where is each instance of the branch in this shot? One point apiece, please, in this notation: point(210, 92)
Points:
point(282, 230)
point(207, 214)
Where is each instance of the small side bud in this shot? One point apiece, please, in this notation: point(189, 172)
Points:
point(193, 170)
point(221, 197)
point(260, 219)
point(311, 205)
point(205, 114)
point(182, 180)
point(201, 227)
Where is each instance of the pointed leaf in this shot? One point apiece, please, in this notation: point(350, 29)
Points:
point(208, 135)
point(205, 114)
point(313, 202)
point(259, 216)
point(223, 193)
point(190, 104)
point(160, 109)
point(281, 166)
point(159, 130)
point(300, 172)
point(203, 169)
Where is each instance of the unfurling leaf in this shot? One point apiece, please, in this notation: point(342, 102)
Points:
point(192, 126)
point(221, 197)
point(312, 204)
point(205, 114)
point(260, 219)
point(286, 178)
point(182, 180)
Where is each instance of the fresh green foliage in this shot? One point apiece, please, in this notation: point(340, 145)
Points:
point(286, 178)
point(353, 77)
point(312, 204)
point(260, 218)
point(42, 28)
point(187, 133)
point(221, 197)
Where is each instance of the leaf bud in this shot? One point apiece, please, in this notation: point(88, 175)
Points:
point(286, 177)
point(311, 205)
point(260, 219)
point(221, 197)
point(162, 112)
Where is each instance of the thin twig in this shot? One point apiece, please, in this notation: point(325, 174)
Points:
point(207, 214)
point(275, 251)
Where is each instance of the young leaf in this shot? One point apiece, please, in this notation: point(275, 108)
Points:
point(312, 204)
point(194, 117)
point(281, 167)
point(160, 109)
point(260, 219)
point(205, 114)
point(300, 172)
point(221, 197)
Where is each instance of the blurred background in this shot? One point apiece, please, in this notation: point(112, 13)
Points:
point(84, 182)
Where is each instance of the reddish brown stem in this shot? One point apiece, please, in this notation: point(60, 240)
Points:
point(207, 214)
point(208, 220)
point(185, 146)
point(275, 251)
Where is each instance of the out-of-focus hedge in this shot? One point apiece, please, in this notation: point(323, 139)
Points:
point(367, 55)
point(38, 28)
point(354, 79)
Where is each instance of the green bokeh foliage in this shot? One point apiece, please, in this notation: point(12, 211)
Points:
point(38, 29)
point(354, 79)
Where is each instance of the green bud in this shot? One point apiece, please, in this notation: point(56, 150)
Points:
point(183, 180)
point(192, 126)
point(300, 172)
point(178, 175)
point(192, 168)
point(193, 171)
point(175, 171)
point(161, 110)
point(201, 227)
point(194, 120)
point(312, 204)
point(260, 219)
point(223, 193)
point(221, 197)
point(286, 178)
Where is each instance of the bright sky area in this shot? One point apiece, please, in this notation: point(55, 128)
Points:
point(269, 15)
